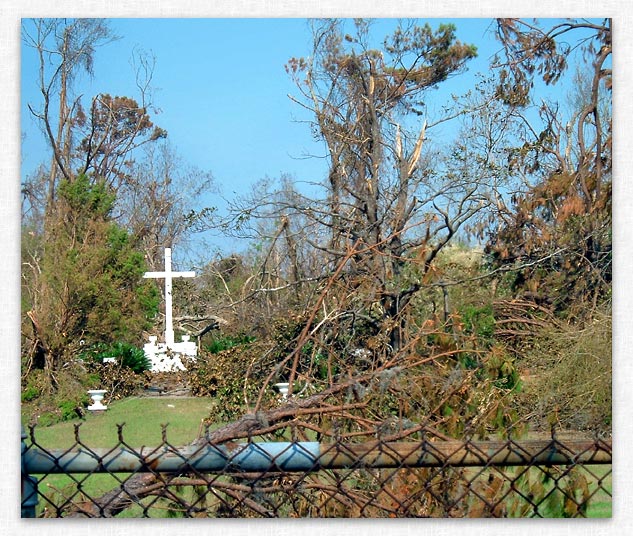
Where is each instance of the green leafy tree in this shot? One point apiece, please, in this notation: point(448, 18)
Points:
point(90, 287)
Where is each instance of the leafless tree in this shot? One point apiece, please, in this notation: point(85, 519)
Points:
point(394, 200)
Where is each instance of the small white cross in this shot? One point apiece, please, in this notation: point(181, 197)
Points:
point(168, 275)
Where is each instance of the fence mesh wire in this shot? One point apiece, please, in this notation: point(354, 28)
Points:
point(418, 477)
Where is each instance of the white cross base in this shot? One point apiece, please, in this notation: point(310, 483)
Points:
point(165, 358)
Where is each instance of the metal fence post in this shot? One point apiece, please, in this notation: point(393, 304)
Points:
point(29, 485)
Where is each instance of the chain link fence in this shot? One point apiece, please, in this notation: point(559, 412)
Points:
point(419, 477)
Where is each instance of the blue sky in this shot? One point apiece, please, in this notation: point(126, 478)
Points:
point(222, 92)
point(221, 88)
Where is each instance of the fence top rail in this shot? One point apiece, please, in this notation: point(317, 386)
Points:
point(313, 456)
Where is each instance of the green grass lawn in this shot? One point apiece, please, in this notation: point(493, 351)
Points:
point(142, 419)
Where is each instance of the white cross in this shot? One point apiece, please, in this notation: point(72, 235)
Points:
point(168, 275)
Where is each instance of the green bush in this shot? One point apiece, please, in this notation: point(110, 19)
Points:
point(69, 409)
point(126, 355)
point(219, 344)
point(479, 321)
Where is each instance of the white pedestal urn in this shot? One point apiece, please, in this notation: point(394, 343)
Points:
point(97, 396)
point(283, 389)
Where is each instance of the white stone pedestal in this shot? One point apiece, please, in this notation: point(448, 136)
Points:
point(97, 396)
point(283, 389)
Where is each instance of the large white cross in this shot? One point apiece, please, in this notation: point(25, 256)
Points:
point(168, 275)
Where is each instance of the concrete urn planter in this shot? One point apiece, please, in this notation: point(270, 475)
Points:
point(283, 389)
point(97, 396)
